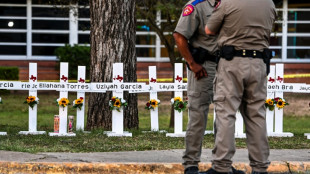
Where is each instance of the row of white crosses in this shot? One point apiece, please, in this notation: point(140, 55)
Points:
point(117, 86)
point(276, 87)
point(177, 87)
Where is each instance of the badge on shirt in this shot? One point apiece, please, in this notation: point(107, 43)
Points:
point(188, 10)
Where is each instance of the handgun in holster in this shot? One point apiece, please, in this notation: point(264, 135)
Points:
point(267, 56)
point(199, 54)
point(227, 52)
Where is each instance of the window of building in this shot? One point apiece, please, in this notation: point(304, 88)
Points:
point(33, 29)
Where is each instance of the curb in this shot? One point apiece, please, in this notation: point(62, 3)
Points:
point(135, 168)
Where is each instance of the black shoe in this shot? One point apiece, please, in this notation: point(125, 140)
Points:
point(235, 171)
point(253, 172)
point(191, 170)
point(212, 171)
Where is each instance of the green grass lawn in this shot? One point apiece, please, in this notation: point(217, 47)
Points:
point(14, 118)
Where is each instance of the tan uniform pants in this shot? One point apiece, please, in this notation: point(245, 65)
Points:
point(200, 94)
point(240, 84)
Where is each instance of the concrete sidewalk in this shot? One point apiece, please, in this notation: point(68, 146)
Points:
point(166, 161)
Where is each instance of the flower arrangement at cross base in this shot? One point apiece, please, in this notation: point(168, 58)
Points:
point(178, 104)
point(31, 101)
point(276, 102)
point(152, 104)
point(78, 103)
point(117, 103)
point(63, 102)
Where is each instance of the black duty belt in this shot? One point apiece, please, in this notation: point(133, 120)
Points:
point(248, 53)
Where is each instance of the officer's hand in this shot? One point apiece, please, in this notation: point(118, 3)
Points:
point(199, 70)
point(201, 74)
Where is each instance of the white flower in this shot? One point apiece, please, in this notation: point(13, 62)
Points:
point(172, 100)
point(123, 101)
point(158, 101)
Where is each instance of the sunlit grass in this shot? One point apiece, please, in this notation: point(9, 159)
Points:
point(14, 118)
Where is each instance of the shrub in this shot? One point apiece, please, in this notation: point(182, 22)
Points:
point(8, 73)
point(76, 56)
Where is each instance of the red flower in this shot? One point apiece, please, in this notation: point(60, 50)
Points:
point(276, 99)
point(81, 98)
point(148, 104)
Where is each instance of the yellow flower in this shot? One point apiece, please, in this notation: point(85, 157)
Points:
point(177, 99)
point(31, 99)
point(269, 102)
point(63, 102)
point(280, 103)
point(117, 103)
point(154, 103)
point(78, 101)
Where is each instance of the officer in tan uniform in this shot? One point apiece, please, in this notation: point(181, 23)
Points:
point(244, 28)
point(198, 49)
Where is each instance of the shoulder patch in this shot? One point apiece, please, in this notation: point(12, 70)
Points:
point(188, 10)
point(197, 2)
point(217, 5)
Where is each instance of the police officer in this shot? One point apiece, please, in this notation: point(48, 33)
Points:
point(244, 28)
point(198, 49)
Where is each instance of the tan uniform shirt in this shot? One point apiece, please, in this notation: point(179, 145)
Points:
point(245, 24)
point(192, 22)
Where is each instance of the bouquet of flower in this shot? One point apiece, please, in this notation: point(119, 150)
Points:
point(152, 104)
point(276, 102)
point(280, 103)
point(178, 104)
point(78, 103)
point(63, 102)
point(269, 103)
point(31, 101)
point(116, 103)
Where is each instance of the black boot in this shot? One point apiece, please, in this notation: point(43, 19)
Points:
point(191, 170)
point(212, 171)
point(253, 172)
point(235, 171)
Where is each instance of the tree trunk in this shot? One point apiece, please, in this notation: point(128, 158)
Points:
point(112, 39)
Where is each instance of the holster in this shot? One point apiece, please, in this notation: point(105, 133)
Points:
point(267, 56)
point(228, 52)
point(200, 55)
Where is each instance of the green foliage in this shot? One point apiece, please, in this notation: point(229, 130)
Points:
point(9, 73)
point(76, 56)
point(170, 12)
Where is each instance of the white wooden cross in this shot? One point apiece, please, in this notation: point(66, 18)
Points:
point(32, 118)
point(81, 78)
point(63, 111)
point(178, 92)
point(153, 95)
point(275, 118)
point(275, 88)
point(118, 117)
